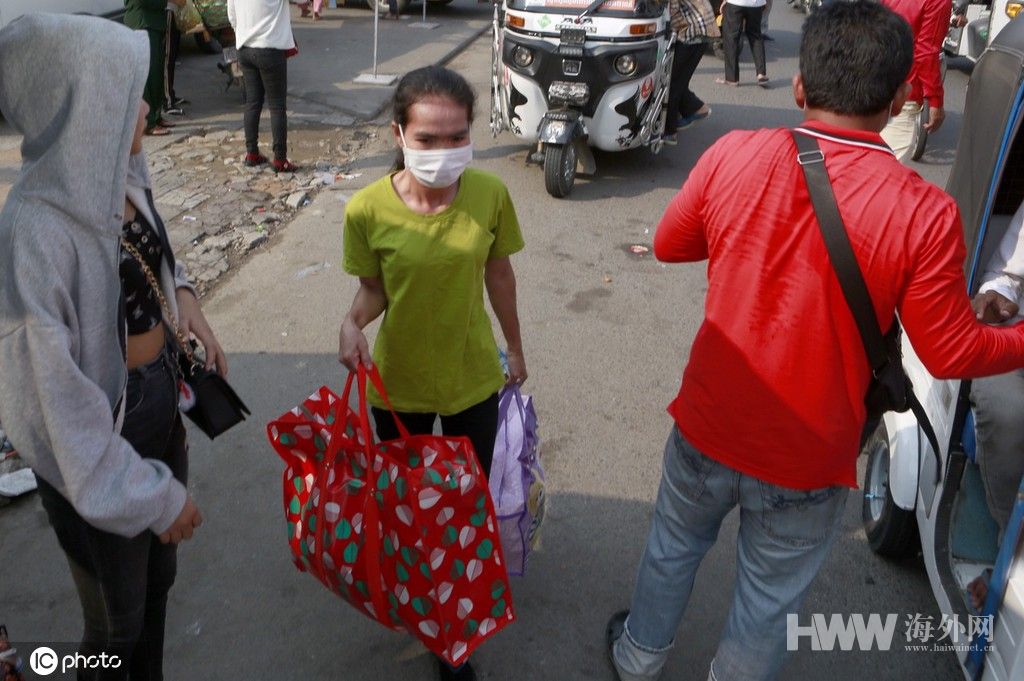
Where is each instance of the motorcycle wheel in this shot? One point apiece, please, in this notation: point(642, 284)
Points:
point(920, 134)
point(559, 169)
point(891, 531)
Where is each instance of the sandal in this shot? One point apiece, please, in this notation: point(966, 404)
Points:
point(157, 131)
point(304, 9)
point(762, 81)
point(166, 124)
point(284, 166)
point(253, 160)
point(723, 81)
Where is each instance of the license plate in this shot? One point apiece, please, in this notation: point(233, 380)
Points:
point(573, 36)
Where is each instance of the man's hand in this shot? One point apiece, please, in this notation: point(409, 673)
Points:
point(191, 320)
point(958, 20)
point(188, 520)
point(994, 308)
point(353, 349)
point(936, 115)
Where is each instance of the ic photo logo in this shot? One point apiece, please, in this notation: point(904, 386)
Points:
point(45, 661)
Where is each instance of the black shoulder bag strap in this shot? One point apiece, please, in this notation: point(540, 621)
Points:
point(837, 241)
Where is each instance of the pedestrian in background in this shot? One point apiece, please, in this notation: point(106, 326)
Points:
point(151, 16)
point(173, 104)
point(694, 24)
point(743, 18)
point(425, 242)
point(89, 290)
point(771, 407)
point(929, 20)
point(263, 34)
point(317, 8)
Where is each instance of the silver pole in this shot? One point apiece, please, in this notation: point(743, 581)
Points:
point(424, 11)
point(376, 24)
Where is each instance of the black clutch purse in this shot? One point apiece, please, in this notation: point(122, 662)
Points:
point(213, 406)
point(204, 396)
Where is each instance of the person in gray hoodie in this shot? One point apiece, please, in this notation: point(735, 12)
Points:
point(88, 384)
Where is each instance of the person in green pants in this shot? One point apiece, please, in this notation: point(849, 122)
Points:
point(151, 17)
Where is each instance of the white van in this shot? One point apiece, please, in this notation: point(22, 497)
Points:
point(12, 9)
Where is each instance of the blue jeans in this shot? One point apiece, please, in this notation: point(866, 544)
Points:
point(784, 537)
point(123, 582)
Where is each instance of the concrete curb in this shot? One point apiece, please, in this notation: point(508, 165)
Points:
point(443, 61)
point(458, 49)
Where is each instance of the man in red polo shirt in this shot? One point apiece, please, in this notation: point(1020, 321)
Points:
point(771, 407)
point(929, 20)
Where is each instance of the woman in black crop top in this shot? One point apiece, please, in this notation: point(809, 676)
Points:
point(122, 582)
point(142, 306)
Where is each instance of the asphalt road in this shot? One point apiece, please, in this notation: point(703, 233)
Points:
point(604, 357)
point(333, 52)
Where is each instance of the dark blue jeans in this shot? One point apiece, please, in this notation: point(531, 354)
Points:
point(123, 582)
point(266, 79)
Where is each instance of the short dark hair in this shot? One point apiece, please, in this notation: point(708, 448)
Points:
point(854, 56)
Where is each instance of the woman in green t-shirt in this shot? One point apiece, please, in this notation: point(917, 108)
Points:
point(425, 241)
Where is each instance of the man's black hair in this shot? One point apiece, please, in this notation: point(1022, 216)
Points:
point(854, 56)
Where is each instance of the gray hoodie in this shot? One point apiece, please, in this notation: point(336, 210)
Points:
point(72, 86)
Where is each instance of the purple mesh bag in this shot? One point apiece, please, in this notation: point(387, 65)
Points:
point(517, 479)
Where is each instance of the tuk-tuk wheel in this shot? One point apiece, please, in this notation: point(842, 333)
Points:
point(559, 169)
point(891, 531)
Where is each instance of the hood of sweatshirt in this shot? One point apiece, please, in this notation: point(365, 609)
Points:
point(72, 87)
point(77, 115)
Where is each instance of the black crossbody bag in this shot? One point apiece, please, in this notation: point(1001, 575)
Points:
point(215, 407)
point(890, 388)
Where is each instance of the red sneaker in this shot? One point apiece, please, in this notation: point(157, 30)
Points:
point(284, 166)
point(253, 160)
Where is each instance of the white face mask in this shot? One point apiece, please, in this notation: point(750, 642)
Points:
point(436, 168)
